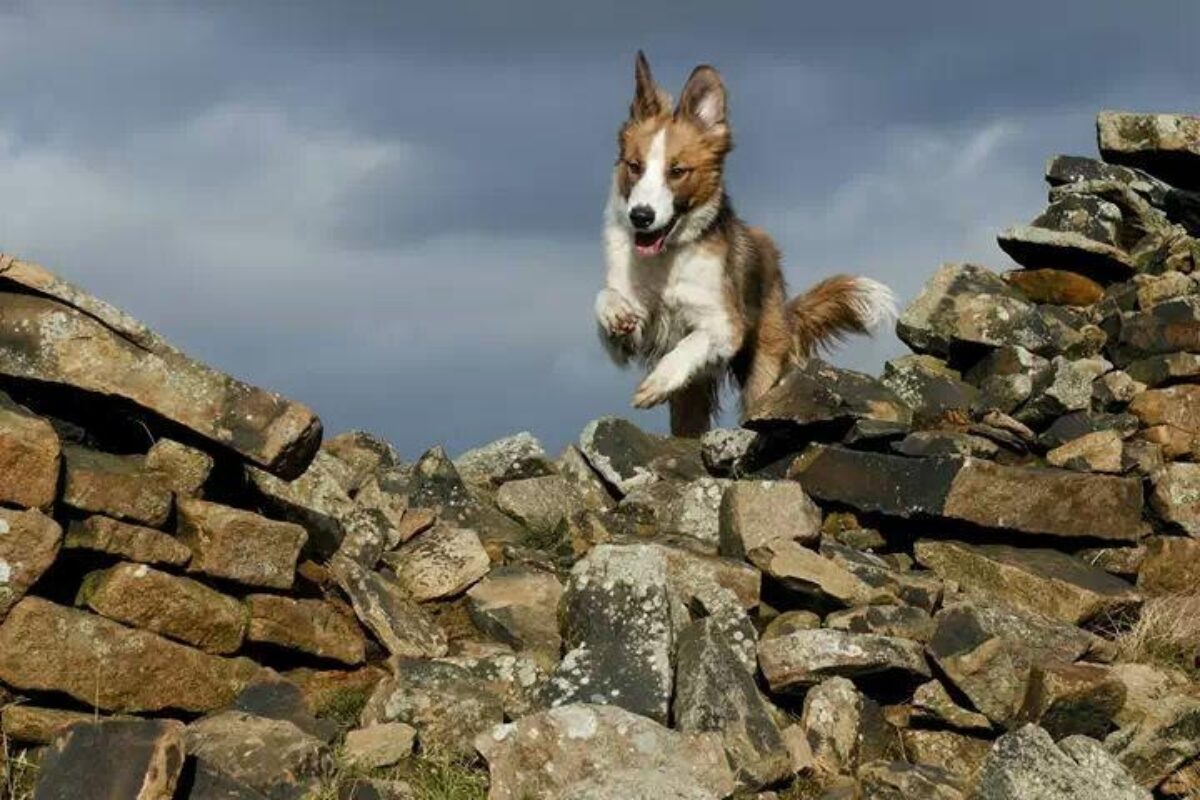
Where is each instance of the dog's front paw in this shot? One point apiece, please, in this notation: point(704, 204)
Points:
point(618, 316)
point(657, 388)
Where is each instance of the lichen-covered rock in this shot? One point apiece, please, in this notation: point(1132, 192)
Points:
point(269, 756)
point(315, 500)
point(239, 545)
point(1039, 580)
point(518, 605)
point(620, 615)
point(905, 622)
point(815, 396)
point(835, 720)
point(1166, 146)
point(1038, 248)
point(184, 469)
point(1006, 377)
point(135, 759)
point(628, 457)
point(586, 481)
point(61, 335)
point(29, 543)
point(714, 691)
point(310, 626)
point(1067, 388)
point(119, 486)
point(1178, 406)
point(959, 755)
point(441, 562)
point(917, 588)
point(804, 658)
point(731, 452)
point(1176, 496)
point(1099, 451)
point(30, 458)
point(364, 454)
point(435, 484)
point(929, 387)
point(1167, 327)
point(755, 513)
point(1155, 371)
point(385, 609)
point(539, 503)
point(130, 542)
point(1160, 743)
point(547, 754)
point(515, 678)
point(447, 705)
point(904, 781)
point(46, 647)
point(172, 606)
point(809, 575)
point(512, 458)
point(1063, 170)
point(932, 444)
point(380, 745)
point(1026, 499)
point(933, 705)
point(1070, 427)
point(1026, 764)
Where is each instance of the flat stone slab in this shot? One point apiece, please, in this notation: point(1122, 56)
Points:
point(307, 625)
point(59, 334)
point(119, 486)
point(816, 395)
point(804, 658)
point(46, 647)
point(136, 759)
point(128, 541)
point(1039, 248)
point(386, 610)
point(240, 545)
point(1165, 145)
point(1026, 499)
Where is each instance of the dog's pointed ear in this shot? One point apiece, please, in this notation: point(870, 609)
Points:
point(703, 98)
point(648, 100)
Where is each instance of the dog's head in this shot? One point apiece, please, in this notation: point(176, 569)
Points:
point(668, 172)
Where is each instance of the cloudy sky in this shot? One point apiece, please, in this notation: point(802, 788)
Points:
point(390, 211)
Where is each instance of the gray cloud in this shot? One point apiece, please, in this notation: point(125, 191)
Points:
point(391, 211)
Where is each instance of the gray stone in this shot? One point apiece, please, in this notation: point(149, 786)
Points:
point(29, 544)
point(270, 756)
point(1166, 146)
point(905, 622)
point(929, 387)
point(518, 605)
point(139, 760)
point(931, 444)
point(933, 705)
point(1037, 248)
point(1176, 496)
point(586, 481)
point(756, 513)
point(316, 501)
point(1073, 699)
point(386, 610)
point(435, 484)
point(628, 457)
point(515, 678)
point(511, 458)
point(813, 578)
point(1167, 368)
point(675, 508)
point(380, 745)
point(1062, 170)
point(1068, 388)
point(1160, 743)
point(441, 562)
point(364, 455)
point(730, 452)
point(814, 397)
point(803, 658)
point(1006, 377)
point(897, 780)
point(959, 755)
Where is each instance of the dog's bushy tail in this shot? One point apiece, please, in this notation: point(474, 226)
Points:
point(834, 309)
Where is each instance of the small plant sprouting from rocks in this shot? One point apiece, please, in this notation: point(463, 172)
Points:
point(20, 773)
point(345, 707)
point(426, 779)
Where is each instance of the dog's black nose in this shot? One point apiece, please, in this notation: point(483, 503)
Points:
point(642, 217)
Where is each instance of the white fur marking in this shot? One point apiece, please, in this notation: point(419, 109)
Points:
point(874, 303)
point(652, 189)
point(708, 110)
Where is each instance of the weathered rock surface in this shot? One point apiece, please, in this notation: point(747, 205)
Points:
point(539, 503)
point(29, 543)
point(905, 622)
point(1166, 146)
point(441, 562)
point(130, 542)
point(518, 605)
point(38, 725)
point(546, 755)
point(685, 509)
point(119, 486)
point(435, 484)
point(310, 626)
point(269, 756)
point(1176, 496)
point(30, 458)
point(64, 336)
point(628, 457)
point(1055, 286)
point(816, 395)
point(183, 469)
point(1038, 248)
point(1160, 743)
point(240, 545)
point(45, 647)
point(1039, 580)
point(1171, 566)
point(804, 658)
point(1073, 699)
point(387, 611)
point(511, 458)
point(818, 580)
point(364, 454)
point(756, 513)
point(139, 760)
point(1100, 451)
point(1025, 499)
point(169, 605)
point(379, 745)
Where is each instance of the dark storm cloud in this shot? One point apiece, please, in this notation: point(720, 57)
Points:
point(391, 210)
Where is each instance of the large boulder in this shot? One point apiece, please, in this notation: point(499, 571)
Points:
point(55, 333)
point(137, 759)
point(1166, 146)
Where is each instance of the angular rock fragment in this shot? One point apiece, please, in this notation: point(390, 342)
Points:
point(512, 458)
point(1166, 146)
point(932, 444)
point(184, 469)
point(518, 605)
point(36, 725)
point(546, 754)
point(1067, 388)
point(139, 760)
point(1039, 580)
point(45, 647)
point(676, 508)
point(813, 577)
point(171, 606)
point(446, 704)
point(586, 481)
point(1172, 326)
point(905, 622)
point(385, 609)
point(843, 728)
point(442, 562)
point(628, 457)
point(1038, 248)
point(1160, 743)
point(272, 696)
point(883, 779)
point(130, 542)
point(1025, 499)
point(1176, 496)
point(436, 485)
point(1171, 566)
point(920, 589)
point(239, 545)
point(959, 755)
point(269, 756)
point(1070, 427)
point(29, 543)
point(1101, 451)
point(119, 486)
point(804, 658)
point(755, 513)
point(314, 500)
point(515, 678)
point(364, 454)
point(929, 387)
point(730, 452)
point(716, 692)
point(1062, 170)
point(379, 745)
point(540, 503)
point(62, 335)
point(1027, 765)
point(1073, 699)
point(1159, 370)
point(933, 705)
point(1056, 286)
point(1006, 377)
point(30, 458)
point(816, 396)
point(310, 626)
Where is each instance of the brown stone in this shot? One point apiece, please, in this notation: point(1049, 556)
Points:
point(518, 605)
point(439, 563)
point(1175, 405)
point(30, 458)
point(811, 575)
point(1056, 286)
point(134, 759)
point(184, 469)
point(1174, 442)
point(169, 605)
point(1165, 145)
point(29, 542)
point(310, 626)
point(130, 542)
point(365, 455)
point(119, 486)
point(35, 725)
point(271, 757)
point(1099, 451)
point(1071, 699)
point(1171, 566)
point(240, 545)
point(380, 745)
point(46, 647)
point(385, 609)
point(1176, 496)
point(64, 336)
point(959, 755)
point(805, 658)
point(336, 693)
point(754, 513)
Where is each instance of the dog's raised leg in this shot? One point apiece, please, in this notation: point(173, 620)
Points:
point(693, 407)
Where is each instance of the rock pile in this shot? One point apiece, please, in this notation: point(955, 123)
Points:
point(973, 578)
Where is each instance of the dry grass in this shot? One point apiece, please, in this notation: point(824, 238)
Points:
point(426, 779)
point(18, 773)
point(1166, 633)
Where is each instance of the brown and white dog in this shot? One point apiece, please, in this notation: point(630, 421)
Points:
point(692, 291)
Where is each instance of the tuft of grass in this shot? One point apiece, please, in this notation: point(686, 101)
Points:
point(425, 779)
point(1166, 633)
point(18, 773)
point(344, 707)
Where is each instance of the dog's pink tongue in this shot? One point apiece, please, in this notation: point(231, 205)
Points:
point(652, 249)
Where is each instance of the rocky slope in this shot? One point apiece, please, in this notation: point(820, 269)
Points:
point(973, 578)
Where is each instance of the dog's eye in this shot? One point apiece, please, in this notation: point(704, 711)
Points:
point(678, 171)
point(634, 166)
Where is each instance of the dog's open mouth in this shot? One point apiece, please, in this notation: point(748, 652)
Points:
point(650, 243)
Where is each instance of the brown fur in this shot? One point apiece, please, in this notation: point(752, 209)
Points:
point(772, 332)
